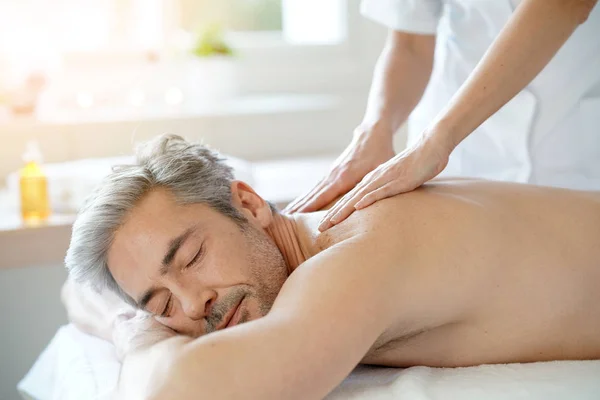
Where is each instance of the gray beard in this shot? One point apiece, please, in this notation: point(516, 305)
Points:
point(269, 270)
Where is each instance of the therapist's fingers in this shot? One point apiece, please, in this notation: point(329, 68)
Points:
point(302, 200)
point(389, 190)
point(345, 209)
point(346, 205)
point(367, 180)
point(326, 220)
point(326, 191)
point(344, 200)
point(293, 206)
point(335, 186)
point(319, 200)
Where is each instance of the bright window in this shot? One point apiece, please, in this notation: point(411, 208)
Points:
point(44, 26)
point(118, 49)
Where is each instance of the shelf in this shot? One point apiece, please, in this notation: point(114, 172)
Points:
point(237, 106)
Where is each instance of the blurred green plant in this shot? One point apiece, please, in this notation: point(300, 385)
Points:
point(211, 42)
point(232, 15)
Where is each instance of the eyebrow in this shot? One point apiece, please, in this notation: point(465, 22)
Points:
point(174, 246)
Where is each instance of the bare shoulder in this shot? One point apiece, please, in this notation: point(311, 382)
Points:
point(378, 258)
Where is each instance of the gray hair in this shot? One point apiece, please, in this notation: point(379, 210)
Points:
point(192, 172)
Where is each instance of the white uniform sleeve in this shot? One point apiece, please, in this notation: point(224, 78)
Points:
point(414, 16)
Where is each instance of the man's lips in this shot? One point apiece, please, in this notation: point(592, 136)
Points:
point(230, 315)
point(237, 315)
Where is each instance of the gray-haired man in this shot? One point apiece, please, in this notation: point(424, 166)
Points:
point(456, 273)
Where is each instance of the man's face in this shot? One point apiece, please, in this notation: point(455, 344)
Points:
point(194, 268)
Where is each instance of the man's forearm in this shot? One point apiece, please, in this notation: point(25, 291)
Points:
point(261, 359)
point(400, 78)
point(525, 46)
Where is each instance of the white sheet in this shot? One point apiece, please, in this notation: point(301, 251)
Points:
point(76, 366)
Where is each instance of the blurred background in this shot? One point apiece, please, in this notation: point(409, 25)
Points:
point(277, 85)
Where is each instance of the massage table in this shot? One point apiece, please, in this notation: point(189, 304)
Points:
point(77, 366)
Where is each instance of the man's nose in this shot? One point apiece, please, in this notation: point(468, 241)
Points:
point(199, 304)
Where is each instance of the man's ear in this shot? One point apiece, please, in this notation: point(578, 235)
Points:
point(254, 207)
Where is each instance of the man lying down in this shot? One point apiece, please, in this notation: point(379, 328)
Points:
point(243, 302)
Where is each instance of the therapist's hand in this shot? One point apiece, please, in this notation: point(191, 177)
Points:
point(405, 172)
point(368, 149)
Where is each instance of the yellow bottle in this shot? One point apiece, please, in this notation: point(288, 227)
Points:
point(35, 206)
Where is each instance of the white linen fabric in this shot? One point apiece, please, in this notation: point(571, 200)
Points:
point(76, 366)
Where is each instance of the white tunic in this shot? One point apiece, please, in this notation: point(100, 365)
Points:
point(549, 134)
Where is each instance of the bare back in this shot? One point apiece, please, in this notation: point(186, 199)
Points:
point(496, 272)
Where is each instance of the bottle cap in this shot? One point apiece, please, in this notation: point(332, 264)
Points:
point(32, 152)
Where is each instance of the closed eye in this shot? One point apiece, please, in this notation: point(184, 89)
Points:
point(196, 257)
point(168, 306)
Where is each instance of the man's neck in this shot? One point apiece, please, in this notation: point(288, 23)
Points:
point(295, 236)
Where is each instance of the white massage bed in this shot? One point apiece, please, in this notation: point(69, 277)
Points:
point(76, 366)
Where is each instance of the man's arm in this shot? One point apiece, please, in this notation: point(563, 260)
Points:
point(326, 317)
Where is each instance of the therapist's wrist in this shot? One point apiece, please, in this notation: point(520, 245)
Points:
point(448, 130)
point(440, 137)
point(378, 130)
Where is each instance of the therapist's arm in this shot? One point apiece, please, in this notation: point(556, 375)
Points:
point(527, 43)
point(530, 39)
point(399, 80)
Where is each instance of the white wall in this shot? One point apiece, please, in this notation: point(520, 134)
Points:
point(297, 125)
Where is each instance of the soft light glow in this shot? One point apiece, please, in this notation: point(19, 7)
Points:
point(173, 96)
point(28, 27)
point(148, 30)
point(137, 97)
point(314, 21)
point(84, 99)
